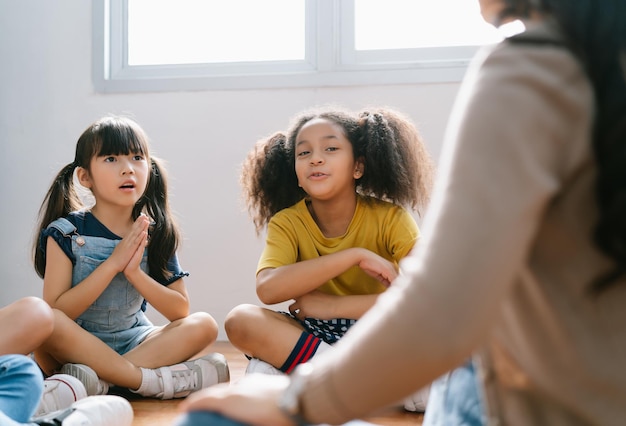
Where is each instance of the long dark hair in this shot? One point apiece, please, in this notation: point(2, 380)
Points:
point(595, 32)
point(114, 136)
point(397, 168)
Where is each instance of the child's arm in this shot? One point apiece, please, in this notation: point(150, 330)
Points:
point(171, 301)
point(57, 282)
point(328, 306)
point(275, 285)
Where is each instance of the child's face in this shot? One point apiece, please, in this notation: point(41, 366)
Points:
point(119, 180)
point(325, 164)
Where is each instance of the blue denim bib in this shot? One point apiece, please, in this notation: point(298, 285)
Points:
point(118, 308)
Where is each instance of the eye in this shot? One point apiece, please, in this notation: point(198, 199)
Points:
point(332, 148)
point(138, 157)
point(109, 159)
point(302, 153)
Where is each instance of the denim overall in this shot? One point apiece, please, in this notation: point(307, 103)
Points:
point(115, 317)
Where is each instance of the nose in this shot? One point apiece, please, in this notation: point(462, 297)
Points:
point(127, 167)
point(316, 159)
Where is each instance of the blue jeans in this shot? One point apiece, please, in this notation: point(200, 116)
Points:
point(205, 418)
point(21, 387)
point(455, 399)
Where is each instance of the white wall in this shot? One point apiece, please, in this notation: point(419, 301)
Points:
point(47, 99)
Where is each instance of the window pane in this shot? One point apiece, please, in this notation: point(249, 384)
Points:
point(404, 24)
point(214, 31)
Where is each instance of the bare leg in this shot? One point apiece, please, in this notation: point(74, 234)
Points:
point(31, 322)
point(69, 343)
point(176, 342)
point(262, 333)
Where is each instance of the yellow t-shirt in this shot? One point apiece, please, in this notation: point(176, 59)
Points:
point(384, 228)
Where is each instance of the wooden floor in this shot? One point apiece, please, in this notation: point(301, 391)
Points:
point(151, 412)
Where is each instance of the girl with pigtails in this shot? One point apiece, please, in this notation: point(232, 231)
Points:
point(332, 193)
point(103, 264)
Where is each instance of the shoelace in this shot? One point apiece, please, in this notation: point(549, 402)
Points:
point(186, 380)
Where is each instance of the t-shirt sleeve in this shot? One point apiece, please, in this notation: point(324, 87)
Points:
point(173, 266)
point(64, 241)
point(402, 233)
point(281, 244)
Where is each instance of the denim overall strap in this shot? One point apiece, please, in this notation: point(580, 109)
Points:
point(64, 226)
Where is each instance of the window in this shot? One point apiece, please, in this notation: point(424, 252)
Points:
point(158, 28)
point(157, 45)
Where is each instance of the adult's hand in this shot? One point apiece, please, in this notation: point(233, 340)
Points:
point(253, 400)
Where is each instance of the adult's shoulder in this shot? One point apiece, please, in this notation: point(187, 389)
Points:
point(540, 53)
point(520, 87)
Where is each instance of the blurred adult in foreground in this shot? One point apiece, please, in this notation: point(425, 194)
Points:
point(523, 253)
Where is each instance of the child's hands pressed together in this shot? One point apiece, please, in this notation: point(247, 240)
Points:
point(127, 255)
point(134, 265)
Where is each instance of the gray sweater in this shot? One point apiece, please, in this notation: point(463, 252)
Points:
point(504, 262)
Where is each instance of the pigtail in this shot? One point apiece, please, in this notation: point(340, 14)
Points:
point(398, 167)
point(60, 200)
point(382, 158)
point(164, 234)
point(269, 180)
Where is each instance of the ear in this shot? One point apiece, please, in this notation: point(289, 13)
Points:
point(359, 169)
point(83, 177)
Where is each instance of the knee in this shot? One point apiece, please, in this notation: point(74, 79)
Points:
point(42, 313)
point(239, 321)
point(40, 316)
point(204, 325)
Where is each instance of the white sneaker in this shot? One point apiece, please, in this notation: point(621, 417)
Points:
point(60, 391)
point(100, 410)
point(88, 377)
point(257, 366)
point(417, 402)
point(180, 380)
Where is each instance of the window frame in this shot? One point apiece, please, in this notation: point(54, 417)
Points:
point(330, 59)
